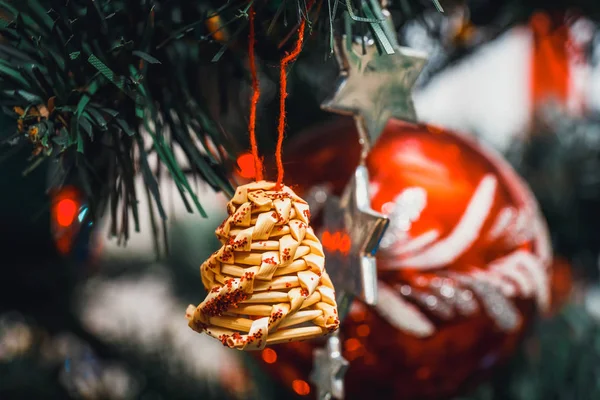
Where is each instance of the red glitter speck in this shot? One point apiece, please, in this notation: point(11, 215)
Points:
point(220, 304)
point(237, 244)
point(223, 339)
point(276, 316)
point(286, 254)
point(270, 260)
point(278, 195)
point(257, 335)
point(226, 256)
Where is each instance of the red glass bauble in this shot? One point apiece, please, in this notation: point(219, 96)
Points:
point(462, 268)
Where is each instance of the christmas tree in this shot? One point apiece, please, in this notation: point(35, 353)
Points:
point(445, 272)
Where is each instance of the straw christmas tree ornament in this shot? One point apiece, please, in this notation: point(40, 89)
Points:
point(267, 284)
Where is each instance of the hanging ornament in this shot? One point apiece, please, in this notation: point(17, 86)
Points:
point(268, 279)
point(374, 87)
point(466, 259)
point(267, 284)
point(461, 269)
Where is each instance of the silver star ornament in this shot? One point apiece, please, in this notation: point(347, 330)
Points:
point(329, 368)
point(375, 87)
point(351, 234)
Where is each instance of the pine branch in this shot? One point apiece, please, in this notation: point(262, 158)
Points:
point(87, 77)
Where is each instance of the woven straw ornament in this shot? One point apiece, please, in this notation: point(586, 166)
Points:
point(267, 284)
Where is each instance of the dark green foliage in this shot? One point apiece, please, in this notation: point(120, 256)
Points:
point(561, 163)
point(559, 361)
point(85, 79)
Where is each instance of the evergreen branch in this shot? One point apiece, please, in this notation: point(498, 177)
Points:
point(71, 72)
point(88, 79)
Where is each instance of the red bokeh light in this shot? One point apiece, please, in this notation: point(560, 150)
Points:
point(245, 163)
point(269, 356)
point(65, 208)
point(66, 211)
point(337, 242)
point(301, 387)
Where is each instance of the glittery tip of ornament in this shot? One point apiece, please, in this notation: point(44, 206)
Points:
point(267, 283)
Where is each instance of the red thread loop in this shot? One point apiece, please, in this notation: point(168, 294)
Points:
point(282, 95)
point(258, 164)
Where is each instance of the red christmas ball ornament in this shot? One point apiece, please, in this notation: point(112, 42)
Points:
point(462, 269)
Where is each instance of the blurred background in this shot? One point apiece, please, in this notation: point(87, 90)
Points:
point(85, 314)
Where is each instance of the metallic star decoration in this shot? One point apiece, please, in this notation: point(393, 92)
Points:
point(375, 87)
point(350, 236)
point(329, 368)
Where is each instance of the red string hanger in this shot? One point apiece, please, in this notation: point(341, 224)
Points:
point(285, 61)
point(288, 58)
point(258, 164)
